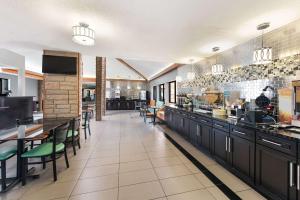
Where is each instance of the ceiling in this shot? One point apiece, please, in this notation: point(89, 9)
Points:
point(159, 31)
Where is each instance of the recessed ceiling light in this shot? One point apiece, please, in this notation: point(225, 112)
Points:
point(83, 35)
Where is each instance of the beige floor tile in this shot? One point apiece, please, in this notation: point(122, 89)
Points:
point(45, 192)
point(167, 161)
point(133, 157)
point(96, 184)
point(14, 193)
point(192, 167)
point(180, 184)
point(134, 166)
point(228, 179)
point(217, 193)
point(204, 180)
point(172, 171)
point(134, 177)
point(250, 195)
point(102, 161)
point(162, 154)
point(143, 191)
point(194, 195)
point(90, 172)
point(99, 195)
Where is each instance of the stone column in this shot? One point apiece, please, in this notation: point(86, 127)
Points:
point(62, 92)
point(100, 87)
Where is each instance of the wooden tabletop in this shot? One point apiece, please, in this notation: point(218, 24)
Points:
point(38, 130)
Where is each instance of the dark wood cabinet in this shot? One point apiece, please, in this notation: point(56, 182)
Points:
point(220, 145)
point(269, 163)
point(195, 133)
point(242, 157)
point(275, 173)
point(206, 137)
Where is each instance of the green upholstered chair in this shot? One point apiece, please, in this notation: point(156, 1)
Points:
point(73, 133)
point(86, 123)
point(50, 151)
point(6, 152)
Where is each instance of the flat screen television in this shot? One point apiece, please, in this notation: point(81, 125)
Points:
point(59, 64)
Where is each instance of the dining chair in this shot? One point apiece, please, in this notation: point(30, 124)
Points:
point(6, 153)
point(48, 150)
point(86, 123)
point(148, 114)
point(73, 133)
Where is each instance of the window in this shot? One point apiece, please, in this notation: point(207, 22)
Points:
point(162, 92)
point(154, 93)
point(172, 92)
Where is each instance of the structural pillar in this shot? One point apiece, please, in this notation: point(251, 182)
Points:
point(100, 87)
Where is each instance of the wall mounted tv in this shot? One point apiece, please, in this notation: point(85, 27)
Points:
point(59, 64)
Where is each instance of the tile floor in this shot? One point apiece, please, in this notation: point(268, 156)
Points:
point(126, 159)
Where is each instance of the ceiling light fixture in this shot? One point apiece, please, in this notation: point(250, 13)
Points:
point(83, 35)
point(262, 55)
point(216, 68)
point(191, 75)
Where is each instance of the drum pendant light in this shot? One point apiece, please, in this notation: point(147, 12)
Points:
point(262, 55)
point(83, 35)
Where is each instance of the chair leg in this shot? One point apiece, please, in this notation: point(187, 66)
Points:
point(44, 162)
point(24, 170)
point(85, 132)
point(31, 144)
point(3, 175)
point(54, 167)
point(89, 130)
point(66, 158)
point(78, 142)
point(74, 146)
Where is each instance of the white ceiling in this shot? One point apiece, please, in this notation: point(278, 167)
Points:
point(161, 31)
point(114, 69)
point(147, 68)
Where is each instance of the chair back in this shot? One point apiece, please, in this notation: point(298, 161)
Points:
point(60, 133)
point(76, 124)
point(152, 103)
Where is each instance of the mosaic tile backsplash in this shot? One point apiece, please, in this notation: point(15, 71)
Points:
point(249, 80)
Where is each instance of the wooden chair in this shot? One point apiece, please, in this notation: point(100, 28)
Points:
point(73, 133)
point(86, 123)
point(5, 154)
point(48, 150)
point(148, 114)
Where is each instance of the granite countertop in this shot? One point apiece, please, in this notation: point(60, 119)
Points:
point(267, 129)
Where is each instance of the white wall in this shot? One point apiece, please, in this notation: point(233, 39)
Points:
point(31, 86)
point(163, 79)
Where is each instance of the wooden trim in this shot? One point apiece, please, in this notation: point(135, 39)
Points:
point(61, 53)
point(34, 75)
point(88, 80)
point(167, 70)
point(117, 79)
point(28, 73)
point(130, 67)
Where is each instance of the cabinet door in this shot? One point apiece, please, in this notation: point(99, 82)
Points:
point(195, 133)
point(242, 156)
point(206, 137)
point(275, 173)
point(220, 145)
point(186, 128)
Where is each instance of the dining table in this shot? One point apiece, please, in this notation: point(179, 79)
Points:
point(154, 108)
point(36, 130)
